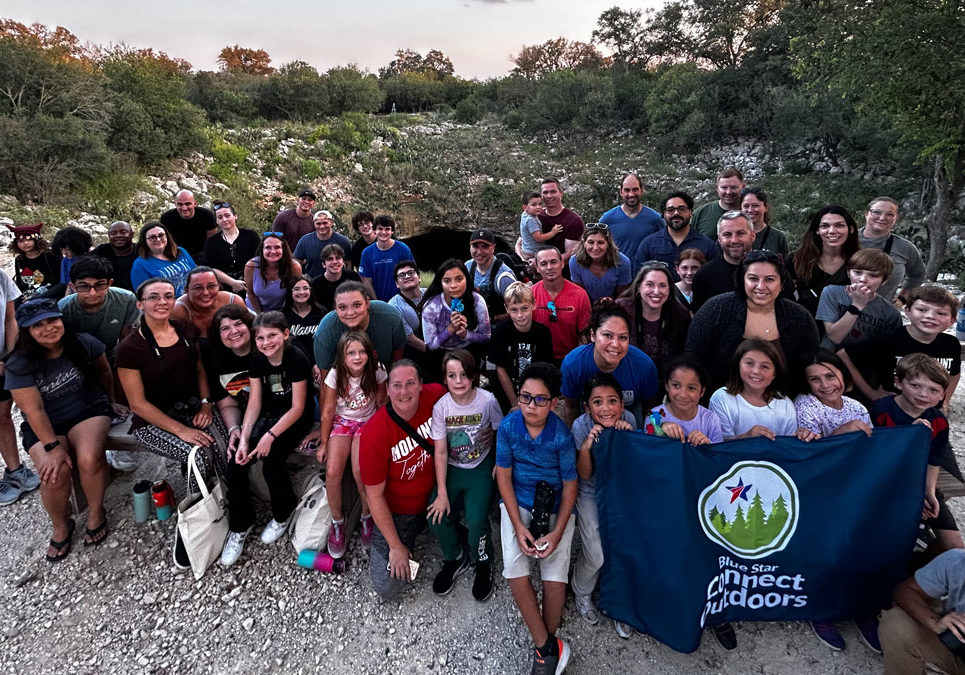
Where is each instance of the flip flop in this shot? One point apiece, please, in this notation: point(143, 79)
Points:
point(102, 528)
point(63, 546)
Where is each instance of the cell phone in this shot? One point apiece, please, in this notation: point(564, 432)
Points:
point(953, 643)
point(413, 569)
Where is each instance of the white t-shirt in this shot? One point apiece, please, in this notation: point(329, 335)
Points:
point(468, 429)
point(737, 416)
point(8, 293)
point(356, 406)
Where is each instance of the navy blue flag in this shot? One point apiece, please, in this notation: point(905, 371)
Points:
point(755, 530)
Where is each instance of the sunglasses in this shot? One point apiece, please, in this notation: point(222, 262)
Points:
point(222, 205)
point(538, 401)
point(597, 226)
point(763, 256)
point(273, 234)
point(28, 310)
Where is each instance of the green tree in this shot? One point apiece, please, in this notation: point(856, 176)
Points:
point(351, 90)
point(681, 108)
point(622, 31)
point(296, 92)
point(901, 61)
point(755, 516)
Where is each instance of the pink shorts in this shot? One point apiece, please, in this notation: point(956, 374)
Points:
point(344, 427)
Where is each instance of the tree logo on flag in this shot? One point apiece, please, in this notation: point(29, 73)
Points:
point(751, 510)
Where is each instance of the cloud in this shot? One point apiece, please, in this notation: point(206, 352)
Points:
point(499, 2)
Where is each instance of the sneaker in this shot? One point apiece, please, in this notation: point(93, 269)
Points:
point(368, 527)
point(9, 493)
point(552, 664)
point(725, 635)
point(122, 460)
point(23, 478)
point(482, 583)
point(451, 569)
point(588, 610)
point(868, 628)
point(274, 530)
point(336, 539)
point(180, 554)
point(233, 547)
point(829, 635)
point(624, 630)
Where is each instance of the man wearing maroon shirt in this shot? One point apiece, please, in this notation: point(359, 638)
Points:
point(399, 475)
point(555, 217)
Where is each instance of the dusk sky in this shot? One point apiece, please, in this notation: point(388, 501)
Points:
point(477, 35)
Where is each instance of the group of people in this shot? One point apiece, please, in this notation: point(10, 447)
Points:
point(695, 324)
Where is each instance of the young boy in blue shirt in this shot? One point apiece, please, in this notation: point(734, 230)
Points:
point(534, 445)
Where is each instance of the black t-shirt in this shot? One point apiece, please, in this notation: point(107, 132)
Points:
point(170, 382)
point(231, 258)
point(513, 350)
point(227, 374)
point(121, 264)
point(303, 329)
point(190, 234)
point(32, 274)
point(713, 278)
point(324, 290)
point(357, 249)
point(877, 358)
point(276, 381)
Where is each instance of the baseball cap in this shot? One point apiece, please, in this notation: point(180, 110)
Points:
point(34, 311)
point(307, 193)
point(483, 235)
point(323, 212)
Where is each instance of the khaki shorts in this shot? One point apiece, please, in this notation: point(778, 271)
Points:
point(517, 564)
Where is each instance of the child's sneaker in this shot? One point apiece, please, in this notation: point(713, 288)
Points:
point(336, 539)
point(451, 569)
point(551, 664)
point(233, 547)
point(829, 635)
point(588, 610)
point(368, 527)
point(273, 531)
point(482, 583)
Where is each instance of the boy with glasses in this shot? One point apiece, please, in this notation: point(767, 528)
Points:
point(406, 303)
point(98, 307)
point(536, 475)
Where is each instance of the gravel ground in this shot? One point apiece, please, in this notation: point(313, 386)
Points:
point(123, 607)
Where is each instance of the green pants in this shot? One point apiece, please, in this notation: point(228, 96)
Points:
point(475, 486)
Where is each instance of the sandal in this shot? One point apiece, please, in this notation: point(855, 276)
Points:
point(97, 535)
point(63, 546)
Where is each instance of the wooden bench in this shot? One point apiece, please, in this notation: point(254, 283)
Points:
point(120, 438)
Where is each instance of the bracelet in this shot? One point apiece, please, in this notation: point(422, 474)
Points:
point(272, 434)
point(235, 427)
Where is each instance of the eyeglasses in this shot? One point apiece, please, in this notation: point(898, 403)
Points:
point(221, 205)
point(87, 288)
point(211, 288)
point(154, 297)
point(765, 256)
point(157, 237)
point(676, 209)
point(538, 401)
point(551, 306)
point(273, 234)
point(597, 226)
point(405, 274)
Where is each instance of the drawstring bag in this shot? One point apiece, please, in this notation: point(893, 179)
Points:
point(313, 518)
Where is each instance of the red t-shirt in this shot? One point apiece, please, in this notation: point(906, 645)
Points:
point(572, 227)
point(572, 315)
point(387, 454)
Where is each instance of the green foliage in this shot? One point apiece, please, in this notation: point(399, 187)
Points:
point(351, 90)
point(108, 191)
point(681, 108)
point(469, 110)
point(755, 529)
point(351, 132)
point(296, 92)
point(311, 169)
point(319, 133)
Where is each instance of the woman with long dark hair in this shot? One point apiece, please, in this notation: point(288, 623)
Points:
point(62, 383)
point(167, 388)
point(757, 208)
point(454, 316)
point(830, 240)
point(270, 274)
point(303, 314)
point(658, 322)
point(160, 256)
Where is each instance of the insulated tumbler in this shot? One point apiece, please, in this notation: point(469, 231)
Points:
point(142, 501)
point(321, 561)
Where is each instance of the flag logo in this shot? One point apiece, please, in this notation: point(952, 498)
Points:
point(751, 509)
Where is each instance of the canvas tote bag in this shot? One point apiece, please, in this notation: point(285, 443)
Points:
point(313, 518)
point(202, 520)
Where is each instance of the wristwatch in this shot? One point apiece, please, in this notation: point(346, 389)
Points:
point(853, 310)
point(205, 400)
point(50, 446)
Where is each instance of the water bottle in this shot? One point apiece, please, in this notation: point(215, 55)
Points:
point(321, 561)
point(960, 324)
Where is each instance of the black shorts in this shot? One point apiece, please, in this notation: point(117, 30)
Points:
point(944, 520)
point(99, 408)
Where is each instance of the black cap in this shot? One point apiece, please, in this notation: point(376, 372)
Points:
point(307, 193)
point(483, 235)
